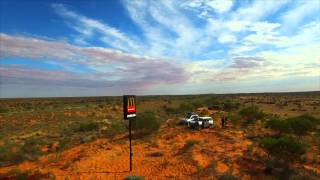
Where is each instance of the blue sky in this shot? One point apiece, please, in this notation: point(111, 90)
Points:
point(93, 48)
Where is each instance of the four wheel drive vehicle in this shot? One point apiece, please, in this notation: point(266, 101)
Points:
point(193, 120)
point(190, 116)
point(201, 122)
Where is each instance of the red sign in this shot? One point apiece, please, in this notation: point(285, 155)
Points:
point(129, 106)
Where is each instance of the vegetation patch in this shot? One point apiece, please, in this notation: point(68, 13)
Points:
point(188, 145)
point(88, 126)
point(146, 123)
point(300, 125)
point(279, 125)
point(251, 114)
point(282, 153)
point(134, 178)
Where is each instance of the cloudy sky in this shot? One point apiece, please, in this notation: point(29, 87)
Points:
point(93, 48)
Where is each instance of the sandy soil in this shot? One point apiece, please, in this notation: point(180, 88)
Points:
point(163, 157)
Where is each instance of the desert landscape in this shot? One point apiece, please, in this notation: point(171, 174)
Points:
point(159, 89)
point(267, 136)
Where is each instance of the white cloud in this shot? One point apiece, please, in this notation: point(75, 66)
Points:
point(247, 40)
point(302, 9)
point(227, 38)
point(87, 28)
point(220, 6)
point(145, 71)
point(258, 10)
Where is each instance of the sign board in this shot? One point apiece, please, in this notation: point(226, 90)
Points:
point(129, 106)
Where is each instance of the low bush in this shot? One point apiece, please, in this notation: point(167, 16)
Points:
point(300, 126)
point(31, 148)
point(171, 110)
point(189, 144)
point(279, 125)
point(282, 152)
point(3, 109)
point(230, 106)
point(19, 174)
point(227, 176)
point(88, 126)
point(196, 103)
point(285, 148)
point(251, 114)
point(134, 178)
point(116, 127)
point(10, 153)
point(235, 119)
point(146, 123)
point(185, 107)
point(213, 103)
point(156, 154)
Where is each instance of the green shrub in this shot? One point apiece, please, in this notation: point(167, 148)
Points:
point(171, 110)
point(251, 114)
point(196, 104)
point(32, 148)
point(230, 106)
point(227, 176)
point(185, 107)
point(281, 126)
point(156, 154)
point(285, 148)
point(19, 174)
point(189, 144)
point(115, 128)
point(134, 178)
point(213, 103)
point(88, 126)
point(3, 109)
point(146, 122)
point(300, 126)
point(235, 119)
point(312, 119)
point(10, 153)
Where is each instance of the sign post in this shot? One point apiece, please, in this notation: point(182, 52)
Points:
point(129, 112)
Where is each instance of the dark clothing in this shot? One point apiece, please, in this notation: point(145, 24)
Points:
point(223, 121)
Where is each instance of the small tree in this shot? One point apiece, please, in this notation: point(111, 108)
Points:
point(251, 114)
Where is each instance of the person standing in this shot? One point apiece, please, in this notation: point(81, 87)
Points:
point(223, 121)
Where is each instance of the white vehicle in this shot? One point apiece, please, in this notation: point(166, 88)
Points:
point(189, 117)
point(193, 120)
